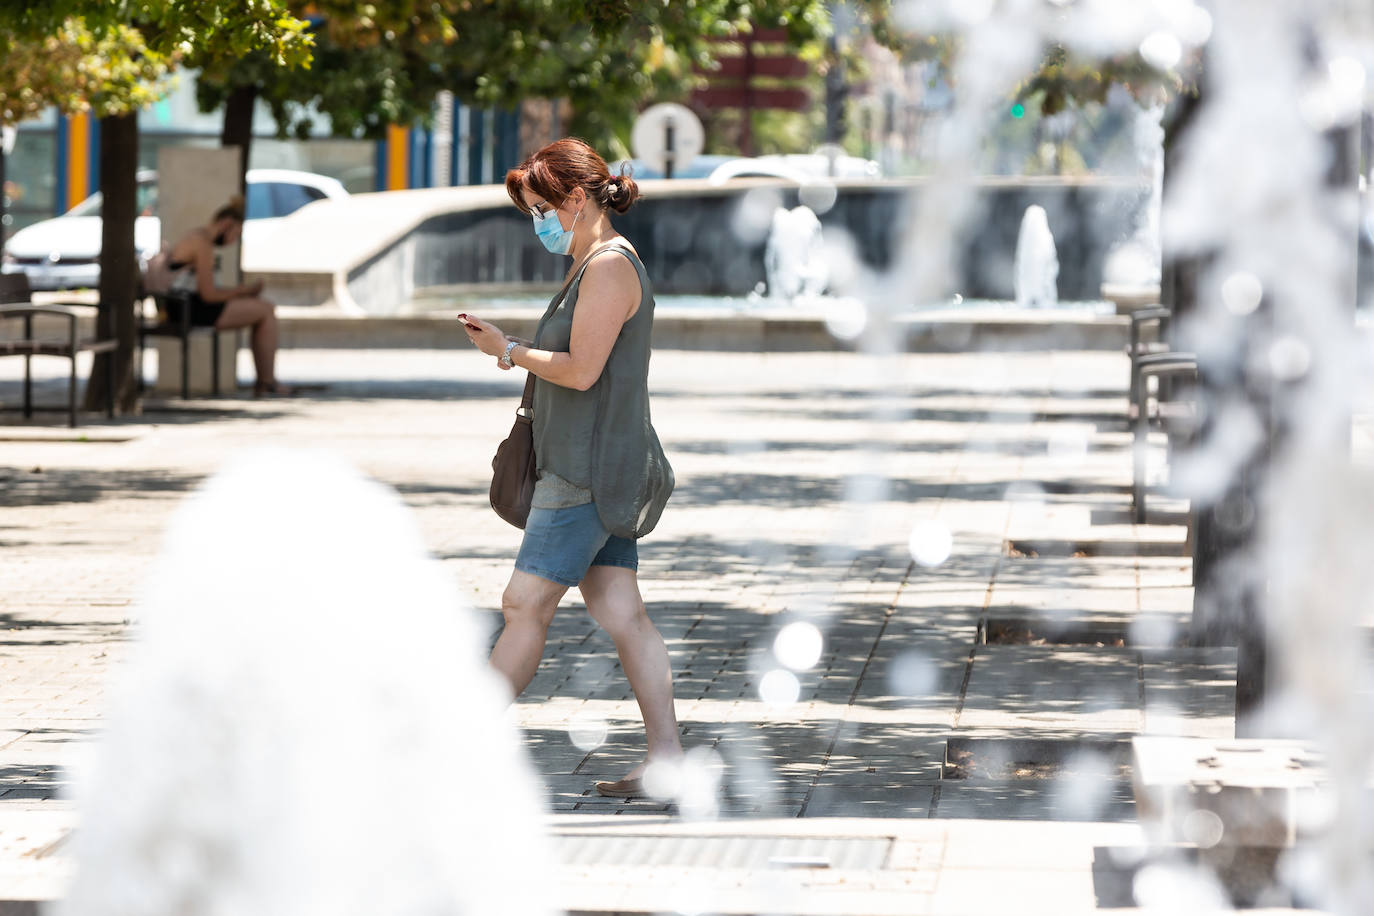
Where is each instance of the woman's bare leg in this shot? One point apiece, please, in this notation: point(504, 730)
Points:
point(261, 316)
point(613, 600)
point(528, 604)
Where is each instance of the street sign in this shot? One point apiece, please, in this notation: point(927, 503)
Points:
point(667, 137)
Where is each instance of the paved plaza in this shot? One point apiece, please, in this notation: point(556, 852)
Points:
point(958, 745)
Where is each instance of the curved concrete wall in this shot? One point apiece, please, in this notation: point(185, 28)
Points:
point(460, 237)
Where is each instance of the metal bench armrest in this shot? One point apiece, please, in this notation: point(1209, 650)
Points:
point(1153, 313)
point(1141, 317)
point(28, 311)
point(18, 311)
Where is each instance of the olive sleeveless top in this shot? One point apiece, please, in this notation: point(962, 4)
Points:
point(602, 439)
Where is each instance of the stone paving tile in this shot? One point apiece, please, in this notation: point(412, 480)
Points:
point(797, 492)
point(1060, 690)
point(846, 800)
point(1190, 692)
point(1037, 800)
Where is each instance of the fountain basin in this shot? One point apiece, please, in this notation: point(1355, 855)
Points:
point(732, 325)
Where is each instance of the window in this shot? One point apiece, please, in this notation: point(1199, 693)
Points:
point(259, 202)
point(291, 197)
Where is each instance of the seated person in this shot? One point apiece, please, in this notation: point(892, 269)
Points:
point(191, 262)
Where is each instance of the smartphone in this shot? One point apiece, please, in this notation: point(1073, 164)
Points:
point(462, 316)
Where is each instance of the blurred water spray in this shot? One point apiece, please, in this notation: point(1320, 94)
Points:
point(306, 724)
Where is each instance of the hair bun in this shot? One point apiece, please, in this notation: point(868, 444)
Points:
point(619, 192)
point(231, 210)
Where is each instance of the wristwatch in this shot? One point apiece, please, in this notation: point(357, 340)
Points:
point(505, 357)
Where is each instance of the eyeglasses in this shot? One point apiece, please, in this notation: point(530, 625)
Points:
point(541, 211)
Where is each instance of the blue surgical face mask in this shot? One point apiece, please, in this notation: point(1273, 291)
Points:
point(551, 232)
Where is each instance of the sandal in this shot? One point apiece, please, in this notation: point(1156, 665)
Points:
point(272, 390)
point(622, 788)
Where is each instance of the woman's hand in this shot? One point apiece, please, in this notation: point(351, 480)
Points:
point(485, 336)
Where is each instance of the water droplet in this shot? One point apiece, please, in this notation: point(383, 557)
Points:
point(1196, 28)
point(1289, 359)
point(663, 778)
point(1347, 76)
point(912, 674)
point(1152, 630)
point(1203, 828)
point(1162, 50)
point(779, 687)
point(1242, 292)
point(820, 196)
point(753, 216)
point(588, 732)
point(843, 266)
point(845, 318)
point(1168, 888)
point(798, 645)
point(703, 770)
point(930, 543)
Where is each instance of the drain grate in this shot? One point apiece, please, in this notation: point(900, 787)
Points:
point(737, 852)
point(1021, 631)
point(1029, 548)
point(1034, 758)
point(1158, 631)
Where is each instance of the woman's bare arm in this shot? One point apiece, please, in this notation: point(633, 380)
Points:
point(607, 297)
point(204, 258)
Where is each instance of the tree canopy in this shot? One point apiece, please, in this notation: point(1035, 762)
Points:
point(112, 57)
point(379, 64)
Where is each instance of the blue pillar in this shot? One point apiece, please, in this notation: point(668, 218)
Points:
point(507, 142)
point(95, 154)
point(379, 181)
point(421, 173)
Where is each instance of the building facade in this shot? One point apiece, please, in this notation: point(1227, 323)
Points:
point(55, 164)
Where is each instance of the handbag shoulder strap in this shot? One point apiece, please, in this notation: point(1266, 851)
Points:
point(527, 399)
point(616, 242)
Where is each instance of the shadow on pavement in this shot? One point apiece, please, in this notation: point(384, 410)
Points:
point(77, 632)
point(793, 491)
point(38, 486)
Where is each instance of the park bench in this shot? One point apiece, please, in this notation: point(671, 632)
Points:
point(16, 305)
point(1175, 414)
point(173, 319)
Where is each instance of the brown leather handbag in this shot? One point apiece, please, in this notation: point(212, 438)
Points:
point(513, 469)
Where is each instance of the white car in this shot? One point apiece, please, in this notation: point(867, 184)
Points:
point(64, 252)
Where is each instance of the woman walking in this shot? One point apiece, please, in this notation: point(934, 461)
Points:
point(602, 476)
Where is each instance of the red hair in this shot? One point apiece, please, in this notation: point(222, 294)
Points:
point(558, 169)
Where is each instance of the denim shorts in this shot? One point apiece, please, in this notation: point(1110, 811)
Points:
point(562, 544)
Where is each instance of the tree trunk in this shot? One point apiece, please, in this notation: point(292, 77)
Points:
point(1233, 529)
point(1227, 585)
point(118, 262)
point(238, 131)
point(238, 127)
point(4, 200)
